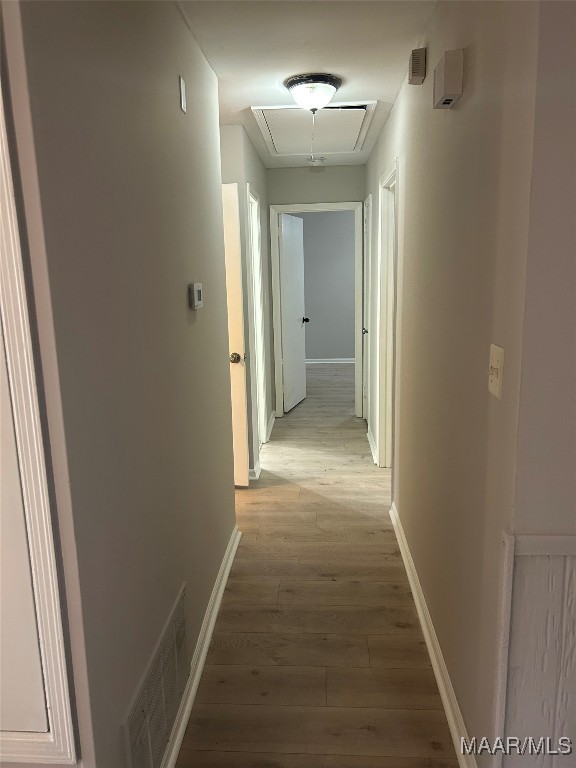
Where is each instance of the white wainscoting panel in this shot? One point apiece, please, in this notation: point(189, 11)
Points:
point(541, 699)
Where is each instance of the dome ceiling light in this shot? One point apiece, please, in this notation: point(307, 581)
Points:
point(313, 91)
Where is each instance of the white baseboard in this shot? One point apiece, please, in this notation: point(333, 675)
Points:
point(449, 700)
point(331, 360)
point(254, 472)
point(372, 444)
point(270, 426)
point(199, 657)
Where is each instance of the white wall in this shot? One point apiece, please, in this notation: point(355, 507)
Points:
point(546, 480)
point(331, 184)
point(131, 200)
point(464, 186)
point(329, 284)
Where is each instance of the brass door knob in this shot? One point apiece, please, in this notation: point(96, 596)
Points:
point(235, 357)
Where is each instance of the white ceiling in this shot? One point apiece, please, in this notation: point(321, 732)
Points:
point(254, 46)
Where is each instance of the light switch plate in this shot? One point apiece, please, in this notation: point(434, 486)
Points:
point(496, 371)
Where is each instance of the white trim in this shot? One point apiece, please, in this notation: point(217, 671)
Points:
point(57, 744)
point(27, 163)
point(373, 446)
point(275, 212)
point(358, 318)
point(447, 693)
point(256, 330)
point(270, 426)
point(276, 311)
point(254, 472)
point(386, 314)
point(330, 361)
point(507, 570)
point(315, 207)
point(561, 545)
point(199, 657)
point(366, 307)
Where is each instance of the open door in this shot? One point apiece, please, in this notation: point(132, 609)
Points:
point(233, 259)
point(293, 310)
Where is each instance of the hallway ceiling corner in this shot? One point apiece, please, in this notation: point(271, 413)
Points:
point(254, 45)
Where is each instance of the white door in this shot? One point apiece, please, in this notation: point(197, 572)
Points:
point(293, 310)
point(233, 258)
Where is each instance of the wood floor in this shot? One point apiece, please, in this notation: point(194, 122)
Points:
point(317, 659)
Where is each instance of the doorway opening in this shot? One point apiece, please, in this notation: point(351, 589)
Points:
point(296, 345)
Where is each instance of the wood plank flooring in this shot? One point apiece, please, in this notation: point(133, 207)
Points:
point(317, 658)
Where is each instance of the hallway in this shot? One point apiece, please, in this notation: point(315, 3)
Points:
point(317, 648)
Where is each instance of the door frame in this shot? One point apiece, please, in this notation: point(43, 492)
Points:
point(275, 212)
point(30, 393)
point(256, 329)
point(366, 307)
point(387, 268)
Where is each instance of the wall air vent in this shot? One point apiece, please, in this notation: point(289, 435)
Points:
point(153, 711)
point(417, 66)
point(339, 128)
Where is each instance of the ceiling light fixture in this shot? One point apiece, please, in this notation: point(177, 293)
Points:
point(313, 91)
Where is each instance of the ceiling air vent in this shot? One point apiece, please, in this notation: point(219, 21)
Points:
point(339, 128)
point(417, 66)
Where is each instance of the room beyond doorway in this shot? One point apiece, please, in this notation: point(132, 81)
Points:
point(329, 286)
point(293, 300)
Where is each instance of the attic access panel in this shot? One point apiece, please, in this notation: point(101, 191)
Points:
point(339, 128)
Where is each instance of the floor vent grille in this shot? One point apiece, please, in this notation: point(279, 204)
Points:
point(154, 709)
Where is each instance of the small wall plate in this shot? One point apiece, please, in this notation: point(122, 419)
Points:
point(195, 295)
